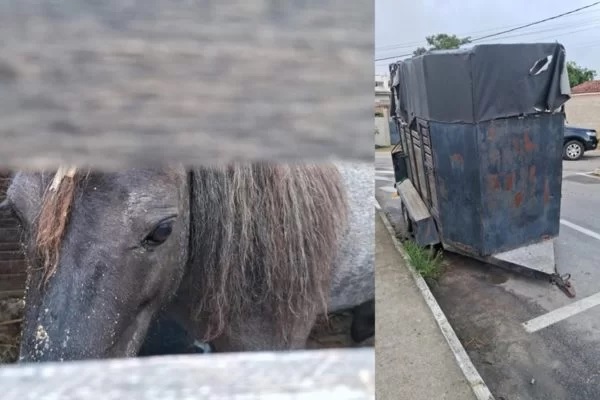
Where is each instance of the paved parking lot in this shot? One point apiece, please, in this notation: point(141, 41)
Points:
point(529, 340)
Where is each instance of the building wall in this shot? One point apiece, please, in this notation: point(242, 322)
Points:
point(584, 110)
point(383, 127)
point(382, 105)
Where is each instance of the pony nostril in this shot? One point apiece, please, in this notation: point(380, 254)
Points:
point(146, 303)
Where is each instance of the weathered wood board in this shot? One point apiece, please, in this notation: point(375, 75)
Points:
point(12, 259)
point(117, 83)
point(317, 374)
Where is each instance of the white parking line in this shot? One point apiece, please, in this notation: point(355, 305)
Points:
point(561, 313)
point(389, 189)
point(383, 178)
point(569, 310)
point(580, 229)
point(378, 171)
point(588, 174)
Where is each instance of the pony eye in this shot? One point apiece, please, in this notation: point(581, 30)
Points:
point(160, 234)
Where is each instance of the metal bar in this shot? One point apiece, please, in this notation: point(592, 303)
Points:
point(318, 374)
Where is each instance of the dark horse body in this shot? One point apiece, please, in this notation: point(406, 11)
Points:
point(244, 256)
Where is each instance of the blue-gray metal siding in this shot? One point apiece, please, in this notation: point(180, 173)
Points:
point(498, 183)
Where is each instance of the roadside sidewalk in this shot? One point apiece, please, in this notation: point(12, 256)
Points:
point(413, 359)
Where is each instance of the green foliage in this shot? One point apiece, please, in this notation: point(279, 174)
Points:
point(442, 41)
point(578, 75)
point(428, 263)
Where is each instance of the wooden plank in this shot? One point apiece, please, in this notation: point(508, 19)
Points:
point(10, 235)
point(8, 223)
point(6, 294)
point(6, 214)
point(317, 374)
point(423, 225)
point(9, 267)
point(120, 83)
point(412, 201)
point(10, 246)
point(12, 255)
point(12, 282)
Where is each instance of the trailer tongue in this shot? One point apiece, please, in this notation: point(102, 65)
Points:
point(479, 164)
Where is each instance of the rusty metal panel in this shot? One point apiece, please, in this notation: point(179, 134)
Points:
point(457, 184)
point(498, 183)
point(521, 180)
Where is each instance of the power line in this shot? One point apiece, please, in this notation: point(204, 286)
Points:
point(580, 29)
point(535, 23)
point(506, 31)
point(589, 24)
point(466, 34)
point(389, 58)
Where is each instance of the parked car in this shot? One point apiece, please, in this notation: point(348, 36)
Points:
point(577, 141)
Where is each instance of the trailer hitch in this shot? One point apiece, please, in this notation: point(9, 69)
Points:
point(563, 283)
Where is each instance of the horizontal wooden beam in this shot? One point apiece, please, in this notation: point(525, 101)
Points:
point(19, 292)
point(118, 83)
point(316, 374)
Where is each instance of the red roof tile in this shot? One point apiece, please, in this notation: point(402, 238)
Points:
point(586, 87)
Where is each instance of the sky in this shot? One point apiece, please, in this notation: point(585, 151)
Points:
point(402, 25)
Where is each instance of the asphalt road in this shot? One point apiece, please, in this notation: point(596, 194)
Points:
point(488, 306)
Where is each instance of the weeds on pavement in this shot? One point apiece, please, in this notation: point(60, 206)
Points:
point(427, 262)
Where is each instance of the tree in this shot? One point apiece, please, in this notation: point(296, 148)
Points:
point(442, 41)
point(578, 75)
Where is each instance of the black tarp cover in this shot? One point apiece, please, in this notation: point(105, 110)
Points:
point(481, 83)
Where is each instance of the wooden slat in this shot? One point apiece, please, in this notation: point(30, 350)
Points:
point(11, 255)
point(12, 267)
point(413, 202)
point(5, 215)
point(10, 235)
point(317, 374)
point(12, 283)
point(10, 246)
point(6, 294)
point(115, 83)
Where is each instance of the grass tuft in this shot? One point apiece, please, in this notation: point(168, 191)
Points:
point(427, 262)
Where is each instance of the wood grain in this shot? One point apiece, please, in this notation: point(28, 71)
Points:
point(117, 83)
point(316, 374)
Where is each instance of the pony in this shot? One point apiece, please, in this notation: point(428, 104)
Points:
point(243, 256)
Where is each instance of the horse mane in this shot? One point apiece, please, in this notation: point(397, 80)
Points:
point(53, 219)
point(263, 240)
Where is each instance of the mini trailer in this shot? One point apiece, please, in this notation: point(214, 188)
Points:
point(478, 167)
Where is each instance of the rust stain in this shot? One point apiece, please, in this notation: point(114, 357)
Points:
point(532, 174)
point(492, 133)
point(529, 145)
point(518, 199)
point(546, 191)
point(494, 182)
point(494, 156)
point(463, 247)
point(516, 145)
point(457, 157)
point(509, 181)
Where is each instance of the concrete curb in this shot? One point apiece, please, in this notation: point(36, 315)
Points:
point(477, 384)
